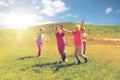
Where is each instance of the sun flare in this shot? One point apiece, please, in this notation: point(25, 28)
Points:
point(16, 20)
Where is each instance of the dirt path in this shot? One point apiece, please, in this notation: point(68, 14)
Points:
point(108, 39)
point(114, 41)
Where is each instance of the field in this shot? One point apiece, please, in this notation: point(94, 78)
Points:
point(19, 61)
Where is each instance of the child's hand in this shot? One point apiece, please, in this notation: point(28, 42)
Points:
point(82, 23)
point(52, 25)
point(36, 41)
point(47, 41)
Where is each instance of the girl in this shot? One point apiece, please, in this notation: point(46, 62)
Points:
point(39, 41)
point(59, 33)
point(78, 43)
point(84, 39)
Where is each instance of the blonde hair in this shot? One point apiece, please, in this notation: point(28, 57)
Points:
point(83, 29)
point(78, 26)
point(42, 29)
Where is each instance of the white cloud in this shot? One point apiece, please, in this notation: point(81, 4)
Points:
point(37, 7)
point(118, 11)
point(14, 20)
point(51, 8)
point(3, 3)
point(11, 1)
point(69, 15)
point(108, 10)
point(20, 13)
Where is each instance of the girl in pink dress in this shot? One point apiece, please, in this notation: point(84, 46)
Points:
point(59, 33)
point(78, 43)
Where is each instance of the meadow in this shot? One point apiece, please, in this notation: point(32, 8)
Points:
point(19, 61)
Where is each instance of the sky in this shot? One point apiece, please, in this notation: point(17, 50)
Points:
point(23, 13)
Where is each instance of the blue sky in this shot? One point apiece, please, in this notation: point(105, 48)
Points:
point(21, 13)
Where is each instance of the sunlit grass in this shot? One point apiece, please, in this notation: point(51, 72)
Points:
point(19, 61)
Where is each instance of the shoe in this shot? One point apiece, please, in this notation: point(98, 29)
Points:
point(60, 62)
point(79, 62)
point(66, 60)
point(86, 60)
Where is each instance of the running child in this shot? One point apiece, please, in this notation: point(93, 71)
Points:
point(78, 43)
point(39, 41)
point(59, 33)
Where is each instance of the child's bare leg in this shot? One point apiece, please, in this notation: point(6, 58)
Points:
point(76, 54)
point(84, 48)
point(80, 54)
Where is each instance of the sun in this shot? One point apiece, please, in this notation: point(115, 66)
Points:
point(16, 20)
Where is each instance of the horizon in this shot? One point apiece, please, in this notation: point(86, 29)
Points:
point(20, 14)
point(97, 25)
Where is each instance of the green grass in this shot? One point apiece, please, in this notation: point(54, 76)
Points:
point(18, 59)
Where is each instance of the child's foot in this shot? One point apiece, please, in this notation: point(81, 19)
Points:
point(39, 56)
point(66, 60)
point(60, 62)
point(79, 62)
point(86, 60)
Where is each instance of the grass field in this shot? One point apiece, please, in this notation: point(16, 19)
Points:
point(19, 61)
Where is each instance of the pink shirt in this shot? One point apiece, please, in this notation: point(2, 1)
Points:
point(77, 37)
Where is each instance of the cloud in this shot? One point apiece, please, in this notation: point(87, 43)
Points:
point(3, 3)
point(69, 15)
point(37, 7)
point(29, 12)
point(108, 10)
point(51, 8)
point(11, 1)
point(14, 20)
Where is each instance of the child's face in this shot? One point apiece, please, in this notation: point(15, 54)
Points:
point(41, 31)
point(83, 31)
point(77, 28)
point(57, 29)
point(61, 27)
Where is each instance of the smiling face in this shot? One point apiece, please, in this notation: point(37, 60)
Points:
point(57, 29)
point(61, 26)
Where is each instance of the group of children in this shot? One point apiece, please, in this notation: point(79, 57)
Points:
point(80, 38)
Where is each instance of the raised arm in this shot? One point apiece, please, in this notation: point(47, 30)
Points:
point(82, 23)
point(63, 29)
point(53, 28)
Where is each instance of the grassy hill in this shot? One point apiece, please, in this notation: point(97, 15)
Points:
point(19, 61)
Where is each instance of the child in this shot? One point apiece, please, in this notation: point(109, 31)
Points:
point(39, 41)
point(60, 41)
point(84, 39)
point(78, 43)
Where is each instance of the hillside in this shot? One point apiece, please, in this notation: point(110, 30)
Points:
point(19, 61)
point(29, 34)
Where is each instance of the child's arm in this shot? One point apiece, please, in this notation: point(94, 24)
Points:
point(53, 28)
point(85, 36)
point(68, 31)
point(82, 23)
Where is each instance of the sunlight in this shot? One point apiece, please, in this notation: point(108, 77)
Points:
point(19, 20)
